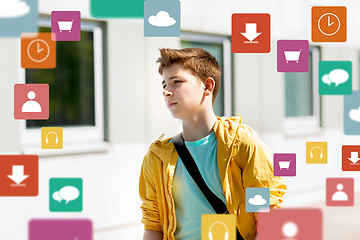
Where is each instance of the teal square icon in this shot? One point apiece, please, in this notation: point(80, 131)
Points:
point(257, 199)
point(66, 194)
point(17, 17)
point(117, 8)
point(335, 77)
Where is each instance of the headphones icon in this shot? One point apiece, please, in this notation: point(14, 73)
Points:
point(56, 139)
point(226, 237)
point(312, 155)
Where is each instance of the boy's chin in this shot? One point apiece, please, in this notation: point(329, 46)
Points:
point(176, 115)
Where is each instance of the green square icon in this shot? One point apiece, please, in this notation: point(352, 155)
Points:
point(335, 77)
point(117, 8)
point(66, 194)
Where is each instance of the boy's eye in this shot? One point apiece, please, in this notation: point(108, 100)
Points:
point(177, 81)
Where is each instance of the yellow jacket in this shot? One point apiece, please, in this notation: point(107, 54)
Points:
point(243, 160)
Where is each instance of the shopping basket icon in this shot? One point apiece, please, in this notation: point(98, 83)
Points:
point(65, 25)
point(285, 164)
point(292, 56)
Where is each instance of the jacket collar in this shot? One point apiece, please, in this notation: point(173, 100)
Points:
point(225, 130)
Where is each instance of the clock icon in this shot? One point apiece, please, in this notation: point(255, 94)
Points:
point(38, 50)
point(329, 24)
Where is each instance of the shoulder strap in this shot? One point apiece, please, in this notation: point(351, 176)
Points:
point(190, 165)
point(216, 203)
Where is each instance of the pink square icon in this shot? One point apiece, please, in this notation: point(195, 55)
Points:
point(340, 192)
point(31, 101)
point(66, 25)
point(290, 224)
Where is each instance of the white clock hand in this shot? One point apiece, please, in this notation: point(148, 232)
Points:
point(38, 48)
point(329, 24)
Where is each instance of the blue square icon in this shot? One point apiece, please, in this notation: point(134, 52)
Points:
point(162, 18)
point(18, 16)
point(257, 199)
point(352, 113)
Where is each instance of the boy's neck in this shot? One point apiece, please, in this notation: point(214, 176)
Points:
point(198, 127)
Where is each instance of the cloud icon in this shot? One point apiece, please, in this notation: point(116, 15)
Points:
point(257, 200)
point(13, 8)
point(162, 19)
point(354, 114)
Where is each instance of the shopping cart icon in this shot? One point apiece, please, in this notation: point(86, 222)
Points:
point(292, 56)
point(285, 164)
point(65, 25)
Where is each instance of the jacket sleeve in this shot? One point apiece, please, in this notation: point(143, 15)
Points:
point(258, 171)
point(147, 191)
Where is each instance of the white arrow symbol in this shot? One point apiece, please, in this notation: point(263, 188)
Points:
point(18, 174)
point(250, 31)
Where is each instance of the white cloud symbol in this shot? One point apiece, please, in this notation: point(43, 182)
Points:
point(257, 200)
point(162, 19)
point(354, 114)
point(13, 8)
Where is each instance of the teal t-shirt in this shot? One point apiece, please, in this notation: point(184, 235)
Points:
point(190, 203)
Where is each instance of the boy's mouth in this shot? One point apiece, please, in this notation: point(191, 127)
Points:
point(171, 104)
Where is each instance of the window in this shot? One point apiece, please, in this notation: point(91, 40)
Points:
point(220, 48)
point(302, 100)
point(75, 91)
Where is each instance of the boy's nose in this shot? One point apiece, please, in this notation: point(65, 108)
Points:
point(167, 93)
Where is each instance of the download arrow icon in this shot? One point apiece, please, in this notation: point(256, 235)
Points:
point(18, 174)
point(250, 31)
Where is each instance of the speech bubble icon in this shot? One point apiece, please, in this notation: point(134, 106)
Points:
point(56, 196)
point(338, 76)
point(326, 79)
point(69, 193)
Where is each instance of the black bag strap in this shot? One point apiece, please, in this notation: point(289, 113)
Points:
point(216, 203)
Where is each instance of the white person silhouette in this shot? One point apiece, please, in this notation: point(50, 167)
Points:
point(290, 230)
point(339, 195)
point(31, 105)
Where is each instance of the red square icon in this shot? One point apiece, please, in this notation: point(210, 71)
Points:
point(350, 158)
point(339, 192)
point(31, 101)
point(250, 33)
point(19, 175)
point(290, 223)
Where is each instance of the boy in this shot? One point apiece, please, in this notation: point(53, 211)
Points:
point(228, 154)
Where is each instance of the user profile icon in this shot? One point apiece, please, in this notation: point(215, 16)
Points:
point(290, 224)
point(339, 192)
point(31, 101)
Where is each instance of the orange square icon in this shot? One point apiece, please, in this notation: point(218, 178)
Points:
point(250, 33)
point(38, 50)
point(350, 158)
point(19, 175)
point(328, 24)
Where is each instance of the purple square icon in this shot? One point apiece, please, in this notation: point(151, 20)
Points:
point(285, 164)
point(66, 25)
point(60, 229)
point(293, 56)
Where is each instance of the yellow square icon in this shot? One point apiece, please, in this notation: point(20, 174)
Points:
point(218, 226)
point(52, 138)
point(316, 152)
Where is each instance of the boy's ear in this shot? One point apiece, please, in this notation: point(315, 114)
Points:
point(209, 85)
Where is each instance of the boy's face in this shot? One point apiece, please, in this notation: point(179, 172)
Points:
point(183, 92)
